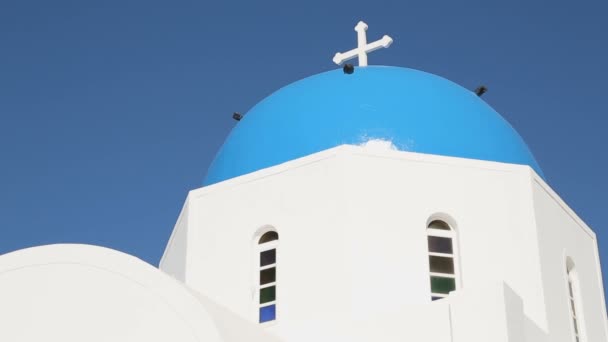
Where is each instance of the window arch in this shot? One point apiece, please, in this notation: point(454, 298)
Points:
point(442, 249)
point(574, 300)
point(266, 282)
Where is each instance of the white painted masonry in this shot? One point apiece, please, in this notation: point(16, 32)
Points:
point(353, 256)
point(88, 293)
point(352, 261)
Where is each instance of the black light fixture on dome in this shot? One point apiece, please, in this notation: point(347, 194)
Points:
point(237, 116)
point(348, 69)
point(481, 90)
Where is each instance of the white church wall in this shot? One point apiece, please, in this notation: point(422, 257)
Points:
point(86, 293)
point(395, 194)
point(492, 312)
point(223, 226)
point(174, 260)
point(352, 241)
point(562, 234)
point(424, 323)
point(232, 327)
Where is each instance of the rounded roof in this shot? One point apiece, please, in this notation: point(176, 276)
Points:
point(72, 292)
point(414, 110)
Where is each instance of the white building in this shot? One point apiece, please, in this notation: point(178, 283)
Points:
point(386, 204)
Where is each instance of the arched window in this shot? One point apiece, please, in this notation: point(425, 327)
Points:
point(574, 299)
point(267, 279)
point(442, 258)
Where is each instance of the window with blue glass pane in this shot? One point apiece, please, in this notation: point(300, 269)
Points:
point(267, 276)
point(268, 313)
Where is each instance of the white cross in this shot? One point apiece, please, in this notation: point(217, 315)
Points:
point(362, 47)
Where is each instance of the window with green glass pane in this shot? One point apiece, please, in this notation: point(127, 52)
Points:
point(442, 284)
point(268, 294)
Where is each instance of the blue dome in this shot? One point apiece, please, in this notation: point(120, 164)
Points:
point(416, 111)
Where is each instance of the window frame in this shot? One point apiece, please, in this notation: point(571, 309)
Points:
point(453, 236)
point(574, 300)
point(259, 248)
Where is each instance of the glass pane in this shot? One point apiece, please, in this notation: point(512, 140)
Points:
point(268, 313)
point(441, 264)
point(268, 275)
point(268, 294)
point(267, 237)
point(438, 224)
point(268, 257)
point(442, 285)
point(440, 244)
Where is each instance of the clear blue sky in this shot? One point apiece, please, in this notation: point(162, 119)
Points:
point(110, 111)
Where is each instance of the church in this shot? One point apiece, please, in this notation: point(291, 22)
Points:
point(366, 203)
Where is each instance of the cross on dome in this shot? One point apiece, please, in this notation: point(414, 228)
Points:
point(362, 46)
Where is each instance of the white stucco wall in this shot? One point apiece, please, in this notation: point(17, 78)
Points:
point(174, 258)
point(352, 261)
point(353, 253)
point(487, 313)
point(78, 293)
point(563, 235)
